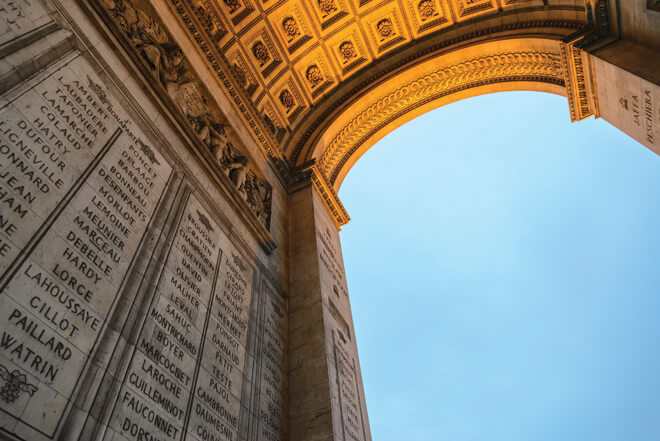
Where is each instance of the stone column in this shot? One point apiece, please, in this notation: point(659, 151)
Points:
point(326, 395)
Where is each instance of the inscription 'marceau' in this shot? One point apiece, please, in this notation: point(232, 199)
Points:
point(57, 299)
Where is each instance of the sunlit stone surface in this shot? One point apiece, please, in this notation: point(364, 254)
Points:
point(170, 265)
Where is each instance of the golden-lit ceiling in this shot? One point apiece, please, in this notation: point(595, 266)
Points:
point(294, 61)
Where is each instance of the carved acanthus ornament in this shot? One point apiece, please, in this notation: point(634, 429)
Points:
point(167, 63)
point(516, 66)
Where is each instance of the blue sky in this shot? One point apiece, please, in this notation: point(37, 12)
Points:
point(504, 272)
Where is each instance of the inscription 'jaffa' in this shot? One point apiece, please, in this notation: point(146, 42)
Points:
point(641, 109)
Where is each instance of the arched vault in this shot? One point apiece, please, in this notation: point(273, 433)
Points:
point(315, 83)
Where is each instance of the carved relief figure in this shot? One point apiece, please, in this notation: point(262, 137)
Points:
point(260, 52)
point(314, 76)
point(287, 100)
point(385, 28)
point(212, 133)
point(262, 200)
point(165, 60)
point(152, 43)
point(290, 28)
point(238, 174)
point(347, 51)
point(426, 9)
point(327, 7)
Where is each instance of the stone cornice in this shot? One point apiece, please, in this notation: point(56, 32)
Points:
point(309, 173)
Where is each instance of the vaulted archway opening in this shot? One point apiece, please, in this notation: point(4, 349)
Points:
point(501, 277)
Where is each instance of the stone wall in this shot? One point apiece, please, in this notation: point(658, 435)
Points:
point(142, 295)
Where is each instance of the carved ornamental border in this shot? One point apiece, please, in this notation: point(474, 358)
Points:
point(310, 173)
point(515, 66)
point(159, 57)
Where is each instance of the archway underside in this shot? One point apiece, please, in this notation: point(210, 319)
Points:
point(520, 64)
point(293, 67)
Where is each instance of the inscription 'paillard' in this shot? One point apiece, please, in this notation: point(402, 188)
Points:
point(55, 305)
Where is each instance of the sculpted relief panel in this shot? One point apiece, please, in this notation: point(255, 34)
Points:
point(167, 64)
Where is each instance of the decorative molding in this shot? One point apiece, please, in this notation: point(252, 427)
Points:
point(578, 70)
point(577, 78)
point(310, 173)
point(514, 66)
point(347, 95)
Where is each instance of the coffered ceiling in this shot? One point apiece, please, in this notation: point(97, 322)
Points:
point(294, 62)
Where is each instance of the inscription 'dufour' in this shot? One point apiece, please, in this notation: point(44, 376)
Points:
point(55, 303)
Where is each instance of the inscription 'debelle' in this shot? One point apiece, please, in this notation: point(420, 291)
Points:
point(81, 189)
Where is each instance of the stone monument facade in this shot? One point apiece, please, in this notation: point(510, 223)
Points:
point(170, 264)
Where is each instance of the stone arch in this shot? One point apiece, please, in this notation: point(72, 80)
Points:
point(520, 64)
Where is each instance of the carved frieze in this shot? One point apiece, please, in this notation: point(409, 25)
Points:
point(167, 64)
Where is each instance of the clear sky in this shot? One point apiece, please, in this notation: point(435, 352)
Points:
point(504, 272)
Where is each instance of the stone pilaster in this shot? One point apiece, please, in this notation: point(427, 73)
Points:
point(326, 396)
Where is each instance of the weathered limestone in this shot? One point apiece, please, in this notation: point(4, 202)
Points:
point(325, 391)
point(170, 264)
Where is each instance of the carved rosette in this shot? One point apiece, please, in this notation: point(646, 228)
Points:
point(314, 76)
point(347, 51)
point(327, 7)
point(426, 9)
point(385, 28)
point(290, 28)
point(287, 100)
point(233, 5)
point(260, 52)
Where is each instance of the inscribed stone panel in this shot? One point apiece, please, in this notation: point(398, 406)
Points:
point(171, 336)
point(19, 17)
point(106, 184)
